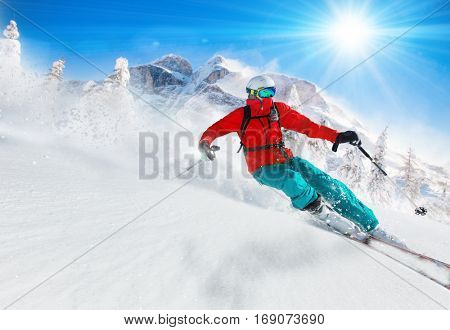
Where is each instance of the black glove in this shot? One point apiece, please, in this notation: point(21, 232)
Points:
point(346, 137)
point(207, 150)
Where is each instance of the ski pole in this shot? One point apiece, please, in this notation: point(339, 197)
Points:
point(419, 210)
point(190, 167)
point(365, 153)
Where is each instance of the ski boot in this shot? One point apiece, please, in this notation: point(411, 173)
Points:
point(382, 235)
point(325, 214)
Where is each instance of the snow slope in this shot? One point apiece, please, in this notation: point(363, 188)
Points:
point(196, 249)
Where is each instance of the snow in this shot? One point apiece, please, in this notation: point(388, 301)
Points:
point(69, 181)
point(197, 249)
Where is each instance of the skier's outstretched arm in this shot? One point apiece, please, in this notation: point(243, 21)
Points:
point(291, 119)
point(228, 124)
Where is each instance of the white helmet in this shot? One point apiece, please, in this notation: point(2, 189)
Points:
point(260, 82)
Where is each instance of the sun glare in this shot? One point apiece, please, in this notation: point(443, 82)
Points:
point(351, 33)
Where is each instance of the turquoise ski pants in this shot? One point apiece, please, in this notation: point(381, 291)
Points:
point(302, 181)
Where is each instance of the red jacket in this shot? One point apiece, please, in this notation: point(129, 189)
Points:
point(262, 131)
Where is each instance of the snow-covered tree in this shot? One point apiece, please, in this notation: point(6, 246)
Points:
point(444, 192)
point(410, 177)
point(57, 70)
point(352, 168)
point(444, 202)
point(439, 206)
point(10, 50)
point(121, 74)
point(378, 187)
point(11, 31)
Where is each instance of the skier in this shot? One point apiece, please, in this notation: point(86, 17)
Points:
point(258, 126)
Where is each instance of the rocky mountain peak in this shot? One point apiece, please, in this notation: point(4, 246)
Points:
point(216, 60)
point(212, 71)
point(174, 63)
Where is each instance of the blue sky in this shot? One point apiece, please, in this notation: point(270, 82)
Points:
point(405, 86)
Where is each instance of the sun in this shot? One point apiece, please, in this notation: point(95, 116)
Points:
point(351, 33)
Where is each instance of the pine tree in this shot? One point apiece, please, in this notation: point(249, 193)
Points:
point(378, 189)
point(444, 192)
point(121, 74)
point(57, 70)
point(11, 31)
point(351, 171)
point(410, 177)
point(443, 201)
point(439, 206)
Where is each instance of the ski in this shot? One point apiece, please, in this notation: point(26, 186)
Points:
point(431, 268)
point(417, 254)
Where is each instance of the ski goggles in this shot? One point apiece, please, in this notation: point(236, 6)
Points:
point(263, 93)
